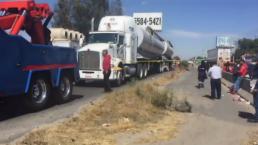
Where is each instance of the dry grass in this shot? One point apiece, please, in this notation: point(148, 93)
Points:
point(168, 78)
point(163, 130)
point(136, 108)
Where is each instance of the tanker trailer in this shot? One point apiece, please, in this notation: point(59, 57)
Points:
point(135, 51)
point(168, 52)
point(149, 46)
point(153, 46)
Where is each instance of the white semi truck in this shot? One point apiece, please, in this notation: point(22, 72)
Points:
point(219, 55)
point(135, 51)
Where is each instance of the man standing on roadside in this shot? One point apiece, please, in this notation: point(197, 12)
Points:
point(215, 74)
point(106, 70)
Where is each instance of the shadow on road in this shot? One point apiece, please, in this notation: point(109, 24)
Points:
point(100, 83)
point(209, 97)
point(197, 86)
point(91, 84)
point(245, 115)
point(12, 107)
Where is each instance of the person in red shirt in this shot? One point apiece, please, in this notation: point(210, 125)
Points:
point(241, 74)
point(106, 70)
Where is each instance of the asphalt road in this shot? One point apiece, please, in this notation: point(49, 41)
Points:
point(15, 122)
point(212, 122)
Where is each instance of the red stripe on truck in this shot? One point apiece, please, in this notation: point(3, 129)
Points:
point(48, 67)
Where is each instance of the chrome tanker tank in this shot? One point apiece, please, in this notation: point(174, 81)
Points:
point(168, 52)
point(151, 45)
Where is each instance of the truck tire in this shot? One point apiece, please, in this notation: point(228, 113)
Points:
point(145, 71)
point(64, 91)
point(161, 68)
point(120, 79)
point(140, 71)
point(38, 95)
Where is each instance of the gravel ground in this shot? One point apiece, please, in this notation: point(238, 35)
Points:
point(213, 122)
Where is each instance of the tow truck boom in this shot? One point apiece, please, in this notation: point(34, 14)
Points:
point(26, 15)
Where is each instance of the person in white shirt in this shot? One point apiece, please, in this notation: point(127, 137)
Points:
point(215, 74)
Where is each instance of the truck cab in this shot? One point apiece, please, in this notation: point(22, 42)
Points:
point(118, 39)
point(90, 57)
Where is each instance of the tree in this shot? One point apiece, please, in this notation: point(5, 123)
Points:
point(62, 14)
point(256, 43)
point(77, 14)
point(116, 7)
point(246, 46)
point(177, 58)
point(246, 43)
point(82, 15)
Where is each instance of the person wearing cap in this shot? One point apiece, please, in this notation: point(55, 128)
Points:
point(106, 70)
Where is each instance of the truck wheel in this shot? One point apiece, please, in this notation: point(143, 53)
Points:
point(64, 91)
point(145, 71)
point(38, 95)
point(161, 68)
point(120, 79)
point(140, 71)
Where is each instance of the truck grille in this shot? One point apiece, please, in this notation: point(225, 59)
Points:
point(89, 60)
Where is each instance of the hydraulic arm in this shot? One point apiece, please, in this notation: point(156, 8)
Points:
point(26, 15)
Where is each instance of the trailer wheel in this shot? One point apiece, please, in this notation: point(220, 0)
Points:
point(145, 71)
point(64, 91)
point(161, 68)
point(38, 95)
point(140, 71)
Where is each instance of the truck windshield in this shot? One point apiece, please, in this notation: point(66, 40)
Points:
point(103, 38)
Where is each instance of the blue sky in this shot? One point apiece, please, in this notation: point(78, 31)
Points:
point(192, 25)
